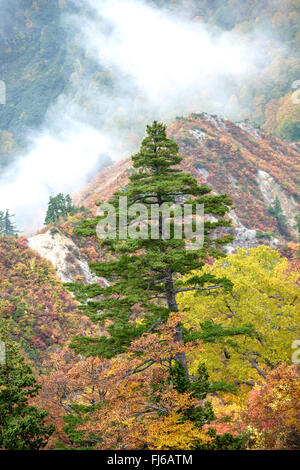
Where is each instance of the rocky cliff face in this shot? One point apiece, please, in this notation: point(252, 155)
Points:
point(68, 259)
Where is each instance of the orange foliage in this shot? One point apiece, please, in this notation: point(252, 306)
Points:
point(136, 406)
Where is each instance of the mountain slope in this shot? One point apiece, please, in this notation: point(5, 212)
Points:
point(252, 167)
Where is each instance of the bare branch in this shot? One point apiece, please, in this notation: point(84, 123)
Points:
point(198, 288)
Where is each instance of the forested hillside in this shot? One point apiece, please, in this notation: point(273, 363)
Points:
point(252, 167)
point(37, 64)
point(112, 372)
point(39, 311)
point(189, 371)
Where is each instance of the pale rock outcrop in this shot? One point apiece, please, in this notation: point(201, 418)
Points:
point(62, 252)
point(203, 172)
point(245, 237)
point(217, 121)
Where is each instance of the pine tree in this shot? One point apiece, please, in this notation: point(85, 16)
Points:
point(59, 206)
point(145, 279)
point(22, 427)
point(146, 271)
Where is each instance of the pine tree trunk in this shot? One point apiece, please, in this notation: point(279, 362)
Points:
point(173, 307)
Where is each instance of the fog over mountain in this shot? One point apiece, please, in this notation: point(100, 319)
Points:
point(158, 65)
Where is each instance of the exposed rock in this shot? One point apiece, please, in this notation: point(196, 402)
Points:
point(199, 135)
point(235, 219)
point(62, 252)
point(217, 121)
point(245, 126)
point(246, 238)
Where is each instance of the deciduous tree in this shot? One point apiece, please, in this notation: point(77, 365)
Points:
point(264, 294)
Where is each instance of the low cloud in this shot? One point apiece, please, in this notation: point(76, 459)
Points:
point(159, 65)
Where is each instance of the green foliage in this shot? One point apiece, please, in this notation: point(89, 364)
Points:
point(211, 332)
point(262, 234)
point(276, 211)
point(22, 427)
point(297, 225)
point(290, 131)
point(59, 206)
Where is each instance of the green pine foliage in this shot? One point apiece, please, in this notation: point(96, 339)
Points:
point(276, 211)
point(22, 427)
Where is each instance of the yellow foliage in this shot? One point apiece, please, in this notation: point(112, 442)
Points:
point(265, 295)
